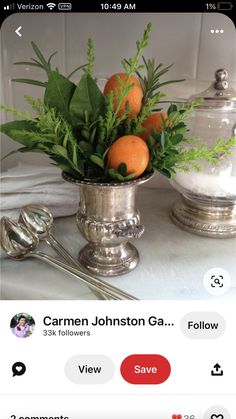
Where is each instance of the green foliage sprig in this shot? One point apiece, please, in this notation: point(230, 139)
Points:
point(45, 64)
point(171, 150)
point(150, 81)
point(112, 119)
point(48, 133)
point(90, 56)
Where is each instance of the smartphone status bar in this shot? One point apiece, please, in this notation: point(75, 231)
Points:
point(136, 6)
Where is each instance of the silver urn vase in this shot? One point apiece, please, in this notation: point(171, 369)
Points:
point(107, 219)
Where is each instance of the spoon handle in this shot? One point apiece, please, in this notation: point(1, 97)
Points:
point(61, 251)
point(97, 285)
point(57, 246)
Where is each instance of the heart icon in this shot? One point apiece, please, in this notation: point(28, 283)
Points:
point(18, 368)
point(179, 417)
point(217, 416)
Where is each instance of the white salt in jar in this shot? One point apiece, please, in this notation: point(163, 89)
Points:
point(208, 198)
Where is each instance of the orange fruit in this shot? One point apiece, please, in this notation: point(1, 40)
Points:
point(134, 96)
point(153, 122)
point(132, 151)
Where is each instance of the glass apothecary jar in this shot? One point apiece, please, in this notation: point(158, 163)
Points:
point(207, 205)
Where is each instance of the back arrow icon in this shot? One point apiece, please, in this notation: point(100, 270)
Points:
point(17, 31)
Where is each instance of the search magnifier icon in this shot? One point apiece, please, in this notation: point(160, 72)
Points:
point(216, 281)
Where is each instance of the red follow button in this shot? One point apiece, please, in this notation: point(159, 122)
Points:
point(145, 369)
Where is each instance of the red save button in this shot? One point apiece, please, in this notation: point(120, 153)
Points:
point(145, 369)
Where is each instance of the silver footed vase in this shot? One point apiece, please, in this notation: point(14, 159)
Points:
point(107, 219)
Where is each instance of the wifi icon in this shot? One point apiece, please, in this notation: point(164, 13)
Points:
point(51, 5)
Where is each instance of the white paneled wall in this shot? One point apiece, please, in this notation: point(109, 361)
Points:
point(183, 39)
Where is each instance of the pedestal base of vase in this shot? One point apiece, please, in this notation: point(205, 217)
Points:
point(111, 261)
point(215, 218)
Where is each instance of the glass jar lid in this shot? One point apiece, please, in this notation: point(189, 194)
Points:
point(218, 95)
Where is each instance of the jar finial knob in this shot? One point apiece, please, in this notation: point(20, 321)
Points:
point(221, 76)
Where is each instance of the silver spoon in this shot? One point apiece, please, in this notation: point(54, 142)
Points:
point(39, 219)
point(19, 242)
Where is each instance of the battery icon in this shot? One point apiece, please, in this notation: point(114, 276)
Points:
point(224, 5)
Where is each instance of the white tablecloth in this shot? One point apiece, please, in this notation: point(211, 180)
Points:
point(26, 184)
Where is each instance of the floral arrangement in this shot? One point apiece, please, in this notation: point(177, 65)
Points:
point(115, 135)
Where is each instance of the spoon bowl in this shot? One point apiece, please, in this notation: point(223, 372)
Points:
point(16, 239)
point(37, 218)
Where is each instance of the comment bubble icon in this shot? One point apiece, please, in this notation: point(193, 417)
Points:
point(18, 368)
